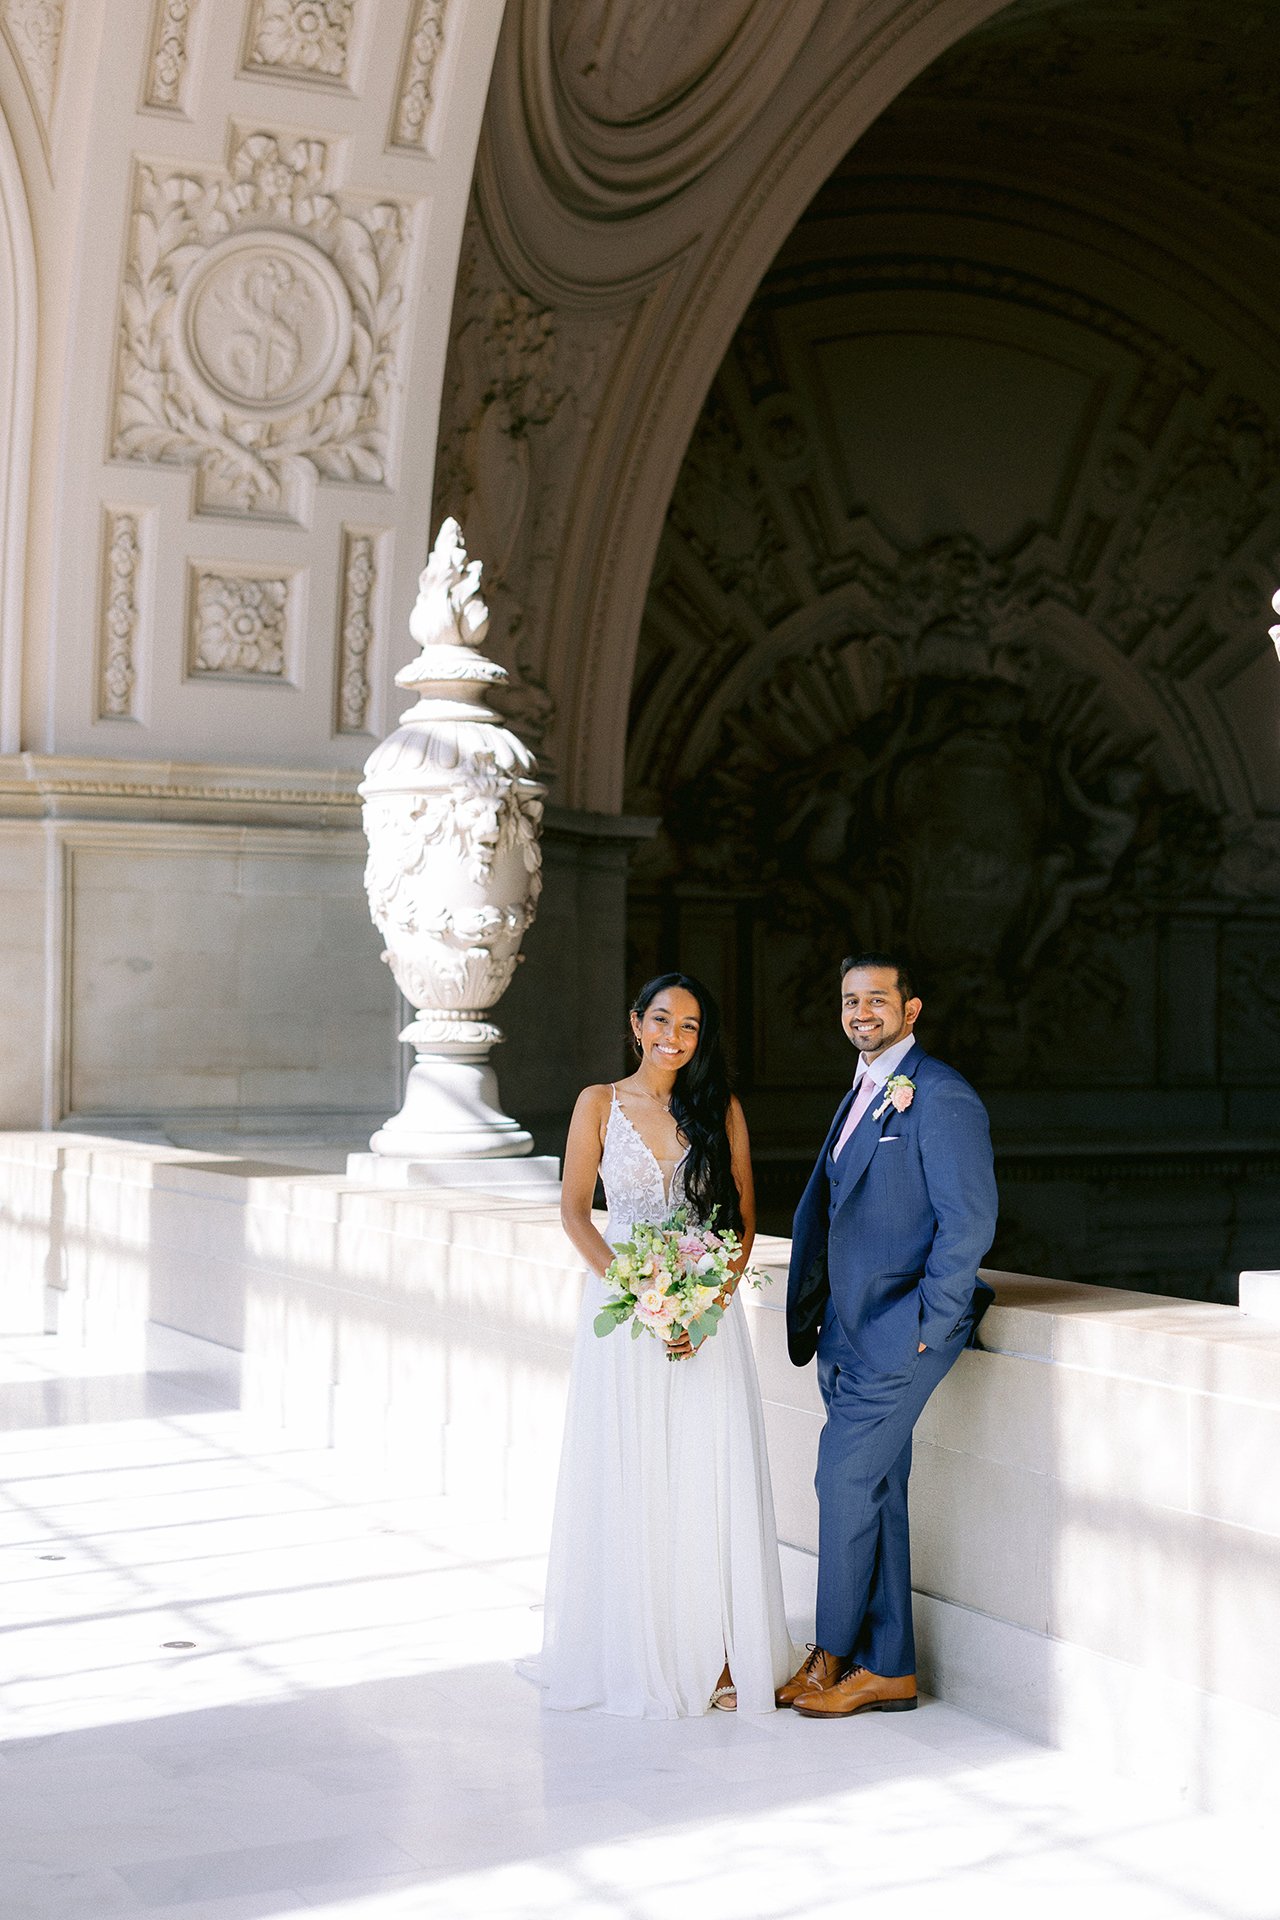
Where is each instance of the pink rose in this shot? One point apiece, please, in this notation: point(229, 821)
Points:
point(691, 1246)
point(902, 1097)
point(655, 1310)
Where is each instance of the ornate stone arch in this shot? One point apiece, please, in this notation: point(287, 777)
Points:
point(624, 248)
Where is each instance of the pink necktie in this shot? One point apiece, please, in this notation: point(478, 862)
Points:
point(867, 1091)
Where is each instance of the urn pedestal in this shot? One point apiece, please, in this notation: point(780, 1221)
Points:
point(452, 814)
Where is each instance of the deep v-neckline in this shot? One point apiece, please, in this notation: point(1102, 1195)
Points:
point(633, 1128)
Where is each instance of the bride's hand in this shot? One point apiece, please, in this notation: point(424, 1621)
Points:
point(681, 1348)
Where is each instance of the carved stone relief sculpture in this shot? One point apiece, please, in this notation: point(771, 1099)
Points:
point(260, 326)
point(300, 39)
point(415, 93)
point(121, 613)
point(33, 29)
point(167, 74)
point(986, 810)
point(642, 99)
point(1204, 505)
point(360, 565)
point(513, 414)
point(452, 815)
point(241, 625)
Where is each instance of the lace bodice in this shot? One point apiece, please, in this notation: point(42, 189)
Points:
point(634, 1179)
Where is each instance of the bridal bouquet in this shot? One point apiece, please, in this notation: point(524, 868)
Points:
point(668, 1279)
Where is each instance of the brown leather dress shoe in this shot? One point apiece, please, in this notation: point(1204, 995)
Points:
point(859, 1691)
point(819, 1671)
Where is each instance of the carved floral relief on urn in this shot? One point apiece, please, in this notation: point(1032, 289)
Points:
point(452, 814)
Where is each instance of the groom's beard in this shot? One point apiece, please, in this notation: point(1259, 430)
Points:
point(869, 1043)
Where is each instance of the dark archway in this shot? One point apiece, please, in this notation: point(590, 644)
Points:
point(957, 634)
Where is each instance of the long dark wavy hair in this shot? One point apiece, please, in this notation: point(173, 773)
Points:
point(700, 1105)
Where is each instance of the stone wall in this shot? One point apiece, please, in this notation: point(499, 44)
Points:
point(1095, 1519)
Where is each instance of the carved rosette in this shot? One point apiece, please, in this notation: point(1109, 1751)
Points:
point(452, 814)
point(302, 39)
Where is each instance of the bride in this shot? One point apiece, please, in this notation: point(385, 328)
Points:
point(664, 1594)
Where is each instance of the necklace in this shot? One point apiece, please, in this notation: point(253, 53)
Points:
point(655, 1098)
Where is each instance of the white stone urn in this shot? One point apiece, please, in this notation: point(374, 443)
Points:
point(452, 814)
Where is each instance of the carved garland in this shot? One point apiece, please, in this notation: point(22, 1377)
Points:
point(122, 538)
point(262, 357)
point(167, 75)
point(417, 75)
point(356, 629)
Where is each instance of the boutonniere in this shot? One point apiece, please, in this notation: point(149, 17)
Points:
point(899, 1092)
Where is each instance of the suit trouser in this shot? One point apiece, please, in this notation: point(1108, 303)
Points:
point(864, 1459)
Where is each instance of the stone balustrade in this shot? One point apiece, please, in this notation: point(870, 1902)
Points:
point(1096, 1515)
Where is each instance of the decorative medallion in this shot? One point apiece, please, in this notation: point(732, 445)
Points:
point(264, 324)
point(261, 321)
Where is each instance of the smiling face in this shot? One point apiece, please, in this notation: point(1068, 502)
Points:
point(872, 1010)
point(667, 1032)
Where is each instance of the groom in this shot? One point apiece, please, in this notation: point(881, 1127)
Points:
point(884, 1288)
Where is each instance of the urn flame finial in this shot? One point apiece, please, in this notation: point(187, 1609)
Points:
point(449, 622)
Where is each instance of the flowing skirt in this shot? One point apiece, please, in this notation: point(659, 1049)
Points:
point(664, 1550)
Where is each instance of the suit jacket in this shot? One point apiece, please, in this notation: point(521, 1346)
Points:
point(892, 1244)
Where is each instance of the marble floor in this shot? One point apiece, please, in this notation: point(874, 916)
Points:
point(239, 1686)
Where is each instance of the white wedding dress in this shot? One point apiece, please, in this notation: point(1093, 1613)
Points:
point(664, 1552)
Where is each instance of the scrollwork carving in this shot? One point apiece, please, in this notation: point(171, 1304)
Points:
point(514, 424)
point(262, 358)
point(33, 29)
point(1200, 510)
point(721, 510)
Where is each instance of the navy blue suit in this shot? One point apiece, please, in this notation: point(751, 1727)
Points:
point(885, 1251)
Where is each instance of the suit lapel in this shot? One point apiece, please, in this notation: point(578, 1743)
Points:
point(833, 1131)
point(857, 1155)
point(866, 1136)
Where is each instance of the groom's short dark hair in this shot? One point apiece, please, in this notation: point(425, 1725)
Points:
point(894, 961)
